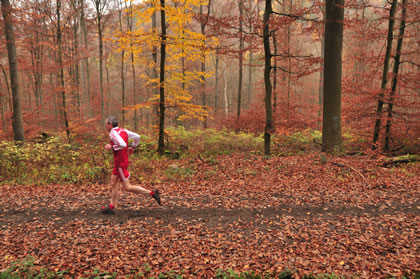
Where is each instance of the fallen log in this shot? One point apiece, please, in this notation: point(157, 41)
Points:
point(387, 162)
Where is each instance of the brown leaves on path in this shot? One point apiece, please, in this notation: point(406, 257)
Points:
point(239, 212)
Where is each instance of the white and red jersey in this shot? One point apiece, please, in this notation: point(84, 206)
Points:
point(119, 141)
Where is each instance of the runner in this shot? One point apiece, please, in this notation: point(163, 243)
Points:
point(119, 145)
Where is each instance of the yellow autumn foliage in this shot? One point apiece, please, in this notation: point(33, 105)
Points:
point(182, 44)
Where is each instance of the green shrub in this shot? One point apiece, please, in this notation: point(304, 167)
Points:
point(211, 142)
point(54, 161)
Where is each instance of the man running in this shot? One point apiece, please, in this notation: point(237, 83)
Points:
point(119, 145)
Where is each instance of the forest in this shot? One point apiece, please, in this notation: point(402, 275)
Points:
point(283, 136)
point(80, 61)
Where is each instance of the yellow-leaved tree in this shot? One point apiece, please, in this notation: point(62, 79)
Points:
point(180, 50)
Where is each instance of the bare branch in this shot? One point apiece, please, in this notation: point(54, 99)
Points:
point(412, 63)
point(296, 16)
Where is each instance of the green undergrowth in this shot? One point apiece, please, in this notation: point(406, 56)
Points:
point(56, 160)
point(26, 268)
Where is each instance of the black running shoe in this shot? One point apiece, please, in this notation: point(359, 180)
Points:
point(155, 195)
point(107, 210)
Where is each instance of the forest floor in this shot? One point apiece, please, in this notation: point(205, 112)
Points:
point(344, 215)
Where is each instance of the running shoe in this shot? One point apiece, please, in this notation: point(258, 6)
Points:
point(107, 209)
point(155, 195)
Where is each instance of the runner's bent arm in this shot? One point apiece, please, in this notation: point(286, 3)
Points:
point(135, 137)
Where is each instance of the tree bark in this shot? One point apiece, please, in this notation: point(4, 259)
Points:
point(216, 86)
point(61, 65)
point(133, 67)
point(275, 74)
point(241, 59)
point(321, 76)
point(225, 94)
point(250, 61)
point(377, 128)
point(395, 76)
point(269, 127)
point(331, 128)
point(85, 61)
point(154, 70)
point(122, 69)
point(17, 121)
point(161, 140)
point(100, 6)
point(203, 62)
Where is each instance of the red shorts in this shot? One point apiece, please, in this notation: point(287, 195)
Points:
point(122, 173)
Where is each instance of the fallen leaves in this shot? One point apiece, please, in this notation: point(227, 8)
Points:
point(261, 215)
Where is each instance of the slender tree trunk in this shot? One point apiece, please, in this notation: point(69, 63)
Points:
point(36, 60)
point(154, 71)
point(225, 93)
point(321, 84)
point(17, 121)
point(250, 61)
point(331, 128)
point(289, 58)
point(85, 61)
point(133, 67)
point(377, 128)
point(216, 86)
point(122, 87)
point(108, 110)
point(321, 73)
point(101, 55)
point(269, 127)
point(161, 141)
point(122, 72)
point(241, 59)
point(395, 76)
point(3, 107)
point(133, 74)
point(203, 66)
point(275, 75)
point(61, 65)
point(76, 66)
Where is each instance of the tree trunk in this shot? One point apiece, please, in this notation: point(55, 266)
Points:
point(85, 61)
point(321, 80)
point(226, 96)
point(101, 74)
point(241, 59)
point(108, 110)
point(395, 76)
point(161, 141)
point(101, 54)
point(17, 121)
point(122, 72)
point(3, 109)
point(203, 66)
point(331, 128)
point(216, 86)
point(250, 61)
point(61, 65)
point(154, 71)
point(269, 127)
point(133, 67)
point(275, 75)
point(289, 58)
point(377, 128)
point(77, 70)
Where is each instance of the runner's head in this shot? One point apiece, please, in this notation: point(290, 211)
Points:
point(113, 121)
